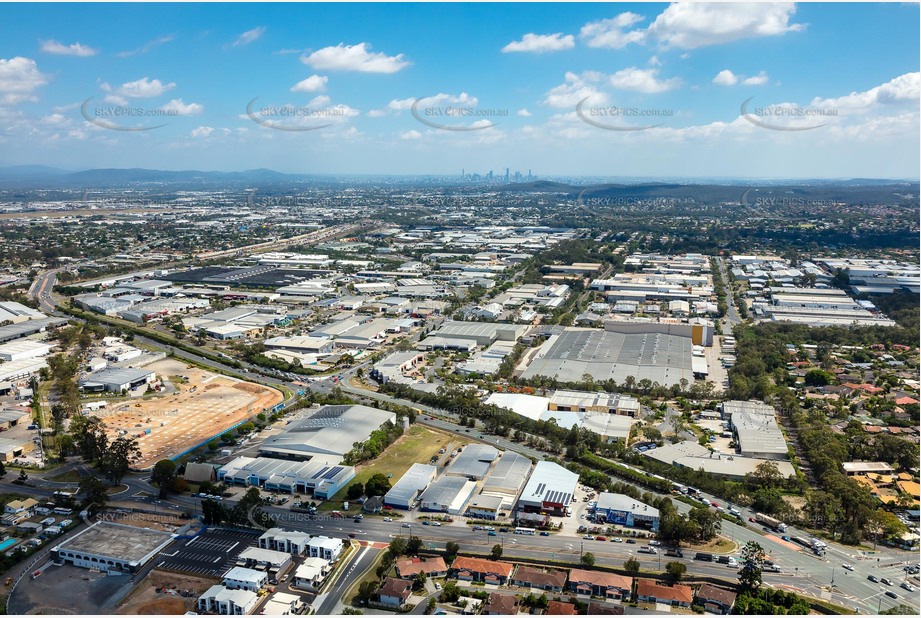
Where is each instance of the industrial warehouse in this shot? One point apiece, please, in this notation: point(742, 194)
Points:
point(331, 430)
point(315, 477)
point(659, 352)
point(112, 547)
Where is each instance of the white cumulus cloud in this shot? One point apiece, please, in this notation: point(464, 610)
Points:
point(574, 89)
point(314, 83)
point(726, 78)
point(181, 109)
point(690, 25)
point(524, 113)
point(203, 132)
point(541, 43)
point(19, 79)
point(140, 89)
point(643, 80)
point(358, 57)
point(612, 33)
point(74, 49)
point(411, 134)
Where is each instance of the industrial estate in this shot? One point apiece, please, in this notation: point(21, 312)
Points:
point(502, 391)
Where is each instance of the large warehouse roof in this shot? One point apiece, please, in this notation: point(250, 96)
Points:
point(331, 430)
point(620, 502)
point(606, 355)
point(549, 483)
point(411, 483)
point(474, 461)
point(118, 541)
point(508, 476)
point(529, 406)
point(445, 491)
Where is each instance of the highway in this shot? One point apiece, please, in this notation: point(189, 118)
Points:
point(802, 572)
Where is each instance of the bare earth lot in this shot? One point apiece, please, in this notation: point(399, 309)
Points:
point(206, 405)
point(146, 600)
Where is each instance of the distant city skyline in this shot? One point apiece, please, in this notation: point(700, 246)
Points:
point(651, 90)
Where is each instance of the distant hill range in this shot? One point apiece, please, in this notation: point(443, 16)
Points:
point(851, 191)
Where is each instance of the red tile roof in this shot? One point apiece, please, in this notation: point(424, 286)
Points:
point(480, 565)
point(678, 592)
point(411, 567)
point(558, 608)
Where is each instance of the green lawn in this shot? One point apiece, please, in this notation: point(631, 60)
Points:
point(417, 445)
point(71, 476)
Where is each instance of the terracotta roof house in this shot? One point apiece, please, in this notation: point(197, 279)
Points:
point(394, 592)
point(905, 401)
point(604, 609)
point(558, 608)
point(714, 599)
point(530, 577)
point(649, 591)
point(481, 570)
point(600, 584)
point(501, 605)
point(408, 568)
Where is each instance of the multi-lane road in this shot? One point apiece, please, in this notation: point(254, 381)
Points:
point(801, 571)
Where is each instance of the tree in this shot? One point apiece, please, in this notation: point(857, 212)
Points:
point(355, 490)
point(752, 565)
point(588, 559)
point(413, 546)
point(367, 590)
point(117, 458)
point(23, 477)
point(496, 551)
point(398, 546)
point(213, 512)
point(632, 566)
point(676, 570)
point(818, 377)
point(708, 522)
point(377, 485)
point(164, 475)
point(451, 550)
point(419, 582)
point(94, 492)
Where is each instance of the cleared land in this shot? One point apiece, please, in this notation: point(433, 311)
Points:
point(205, 406)
point(417, 445)
point(146, 600)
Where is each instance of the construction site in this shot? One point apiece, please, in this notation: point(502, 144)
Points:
point(202, 406)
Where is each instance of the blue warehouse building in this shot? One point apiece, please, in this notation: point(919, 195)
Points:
point(623, 510)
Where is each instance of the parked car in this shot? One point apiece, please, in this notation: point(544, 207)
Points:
point(436, 523)
point(545, 533)
point(388, 519)
point(908, 587)
point(426, 523)
point(601, 538)
point(491, 533)
point(886, 581)
point(631, 542)
point(617, 539)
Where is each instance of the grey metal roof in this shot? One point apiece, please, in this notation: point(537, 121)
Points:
point(549, 482)
point(330, 430)
point(444, 491)
point(621, 502)
point(605, 355)
point(474, 461)
point(415, 479)
point(508, 475)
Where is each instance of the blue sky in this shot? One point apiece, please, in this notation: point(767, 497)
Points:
point(619, 89)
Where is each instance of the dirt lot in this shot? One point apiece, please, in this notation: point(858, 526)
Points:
point(206, 405)
point(146, 600)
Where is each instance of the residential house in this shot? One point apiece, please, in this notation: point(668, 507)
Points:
point(289, 541)
point(650, 591)
point(530, 577)
point(225, 602)
point(714, 599)
point(558, 608)
point(324, 547)
point(500, 605)
point(241, 578)
point(604, 609)
point(600, 584)
point(16, 511)
point(394, 592)
point(409, 568)
point(311, 574)
point(481, 570)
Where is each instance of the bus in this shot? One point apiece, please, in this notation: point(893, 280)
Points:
point(530, 531)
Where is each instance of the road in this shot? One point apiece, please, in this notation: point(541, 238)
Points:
point(732, 312)
point(330, 602)
point(802, 572)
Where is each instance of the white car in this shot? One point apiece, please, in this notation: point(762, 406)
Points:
point(388, 519)
point(848, 567)
point(406, 526)
point(436, 523)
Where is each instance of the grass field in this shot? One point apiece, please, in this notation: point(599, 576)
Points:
point(71, 476)
point(416, 445)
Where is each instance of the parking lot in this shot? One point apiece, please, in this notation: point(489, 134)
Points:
point(211, 553)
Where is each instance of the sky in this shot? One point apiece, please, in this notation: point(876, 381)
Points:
point(696, 90)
